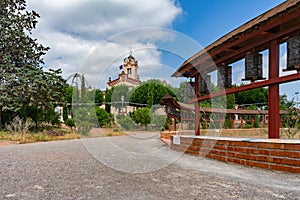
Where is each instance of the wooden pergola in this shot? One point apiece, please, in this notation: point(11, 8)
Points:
point(180, 112)
point(265, 32)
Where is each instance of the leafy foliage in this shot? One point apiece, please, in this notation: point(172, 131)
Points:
point(120, 96)
point(103, 117)
point(108, 94)
point(142, 117)
point(255, 96)
point(98, 97)
point(23, 83)
point(150, 93)
point(126, 122)
point(70, 123)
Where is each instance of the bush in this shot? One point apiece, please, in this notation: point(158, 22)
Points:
point(142, 117)
point(84, 127)
point(18, 125)
point(125, 122)
point(103, 117)
point(70, 123)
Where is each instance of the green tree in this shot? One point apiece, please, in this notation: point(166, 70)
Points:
point(22, 81)
point(103, 117)
point(70, 123)
point(257, 96)
point(142, 116)
point(83, 88)
point(150, 93)
point(120, 96)
point(69, 94)
point(108, 94)
point(181, 92)
point(98, 97)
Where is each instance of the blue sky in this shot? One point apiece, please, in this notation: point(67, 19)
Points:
point(93, 36)
point(208, 20)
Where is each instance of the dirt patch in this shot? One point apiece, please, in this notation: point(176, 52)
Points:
point(5, 143)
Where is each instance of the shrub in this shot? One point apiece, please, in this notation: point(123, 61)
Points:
point(125, 122)
point(18, 125)
point(70, 123)
point(103, 117)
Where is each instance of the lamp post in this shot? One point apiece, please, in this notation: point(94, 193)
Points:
point(122, 101)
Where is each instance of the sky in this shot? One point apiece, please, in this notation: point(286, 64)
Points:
point(92, 37)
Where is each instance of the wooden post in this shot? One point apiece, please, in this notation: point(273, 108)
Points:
point(197, 107)
point(220, 121)
point(232, 121)
point(242, 121)
point(174, 123)
point(181, 125)
point(169, 124)
point(206, 121)
point(273, 97)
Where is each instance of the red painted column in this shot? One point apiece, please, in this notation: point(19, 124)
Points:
point(197, 107)
point(174, 123)
point(273, 122)
point(169, 124)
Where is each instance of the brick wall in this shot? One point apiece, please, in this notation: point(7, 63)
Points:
point(282, 155)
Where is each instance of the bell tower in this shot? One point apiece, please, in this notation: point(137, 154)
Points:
point(131, 67)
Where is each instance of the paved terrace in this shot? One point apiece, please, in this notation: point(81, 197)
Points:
point(137, 166)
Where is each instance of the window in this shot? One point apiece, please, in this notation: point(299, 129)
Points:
point(129, 71)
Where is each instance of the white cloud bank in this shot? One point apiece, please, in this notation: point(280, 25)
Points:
point(79, 34)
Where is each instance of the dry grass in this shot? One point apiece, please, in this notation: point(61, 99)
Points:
point(57, 134)
point(105, 132)
point(39, 137)
point(66, 134)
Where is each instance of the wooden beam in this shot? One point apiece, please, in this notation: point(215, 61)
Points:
point(234, 56)
point(279, 80)
point(258, 32)
point(197, 60)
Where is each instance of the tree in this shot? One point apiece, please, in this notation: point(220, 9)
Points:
point(142, 116)
point(70, 123)
point(103, 117)
point(98, 97)
point(69, 94)
point(255, 96)
point(120, 96)
point(108, 94)
point(150, 93)
point(22, 81)
point(181, 92)
point(83, 89)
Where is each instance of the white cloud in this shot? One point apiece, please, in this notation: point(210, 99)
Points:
point(79, 33)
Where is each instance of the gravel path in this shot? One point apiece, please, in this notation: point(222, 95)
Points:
point(130, 167)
